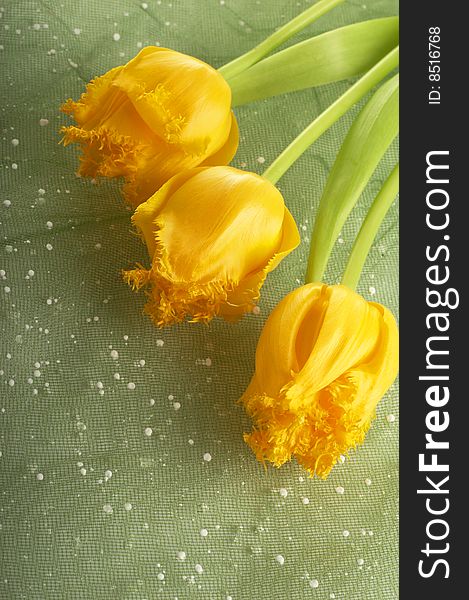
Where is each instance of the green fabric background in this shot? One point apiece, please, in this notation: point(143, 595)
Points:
point(64, 415)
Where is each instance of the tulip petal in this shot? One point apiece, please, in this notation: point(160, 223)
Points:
point(226, 153)
point(95, 101)
point(113, 138)
point(105, 153)
point(146, 214)
point(244, 297)
point(214, 211)
point(161, 113)
point(347, 333)
point(182, 99)
point(276, 354)
point(213, 234)
point(324, 360)
point(165, 160)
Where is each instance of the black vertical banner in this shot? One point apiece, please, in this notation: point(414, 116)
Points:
point(434, 246)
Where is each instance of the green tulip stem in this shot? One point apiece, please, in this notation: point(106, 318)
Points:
point(332, 114)
point(243, 62)
point(369, 229)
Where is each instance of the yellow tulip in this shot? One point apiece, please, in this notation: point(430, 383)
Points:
point(324, 359)
point(213, 234)
point(146, 121)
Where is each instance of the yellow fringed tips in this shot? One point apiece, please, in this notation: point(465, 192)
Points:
point(146, 121)
point(213, 234)
point(325, 358)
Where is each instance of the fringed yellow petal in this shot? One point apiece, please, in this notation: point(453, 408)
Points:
point(113, 138)
point(137, 278)
point(98, 100)
point(104, 152)
point(146, 121)
point(163, 164)
point(168, 304)
point(146, 214)
point(182, 99)
point(244, 296)
point(213, 234)
point(212, 213)
point(69, 107)
point(165, 161)
point(324, 360)
point(349, 330)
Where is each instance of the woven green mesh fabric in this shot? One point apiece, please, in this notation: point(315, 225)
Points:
point(122, 464)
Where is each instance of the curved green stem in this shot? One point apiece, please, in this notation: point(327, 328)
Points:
point(311, 14)
point(369, 229)
point(332, 114)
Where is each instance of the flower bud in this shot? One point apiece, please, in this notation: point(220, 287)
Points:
point(213, 234)
point(325, 358)
point(145, 121)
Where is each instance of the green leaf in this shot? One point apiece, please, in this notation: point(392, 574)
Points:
point(367, 140)
point(339, 54)
point(277, 38)
point(369, 229)
point(332, 114)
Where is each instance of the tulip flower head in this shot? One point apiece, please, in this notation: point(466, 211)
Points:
point(213, 234)
point(324, 359)
point(146, 121)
